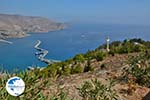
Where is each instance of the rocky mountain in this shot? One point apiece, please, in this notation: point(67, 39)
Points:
point(16, 26)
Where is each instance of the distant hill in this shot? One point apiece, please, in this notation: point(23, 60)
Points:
point(15, 26)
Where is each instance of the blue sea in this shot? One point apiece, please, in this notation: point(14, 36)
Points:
point(64, 44)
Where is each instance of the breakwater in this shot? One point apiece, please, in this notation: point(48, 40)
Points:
point(5, 41)
point(41, 53)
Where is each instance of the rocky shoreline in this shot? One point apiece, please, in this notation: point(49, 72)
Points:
point(11, 34)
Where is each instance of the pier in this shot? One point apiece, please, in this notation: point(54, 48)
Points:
point(5, 41)
point(42, 53)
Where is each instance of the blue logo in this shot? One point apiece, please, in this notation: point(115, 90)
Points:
point(15, 86)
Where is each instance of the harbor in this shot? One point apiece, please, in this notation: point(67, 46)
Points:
point(41, 53)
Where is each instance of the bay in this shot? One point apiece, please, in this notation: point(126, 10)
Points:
point(64, 44)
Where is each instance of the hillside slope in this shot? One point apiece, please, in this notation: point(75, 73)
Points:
point(12, 26)
point(123, 73)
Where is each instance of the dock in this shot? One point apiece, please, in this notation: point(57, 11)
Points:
point(42, 53)
point(5, 41)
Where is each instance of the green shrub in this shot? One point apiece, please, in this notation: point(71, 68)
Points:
point(52, 71)
point(60, 95)
point(77, 69)
point(33, 86)
point(88, 67)
point(128, 46)
point(95, 90)
point(139, 69)
point(90, 55)
point(100, 56)
point(112, 53)
point(79, 58)
point(66, 70)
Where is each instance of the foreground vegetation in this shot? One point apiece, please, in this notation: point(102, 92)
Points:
point(139, 69)
point(137, 72)
point(82, 62)
point(95, 90)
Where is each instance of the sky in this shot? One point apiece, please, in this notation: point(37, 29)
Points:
point(99, 11)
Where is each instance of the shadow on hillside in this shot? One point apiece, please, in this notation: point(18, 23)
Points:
point(147, 96)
